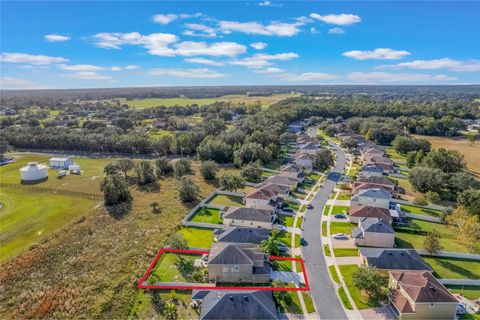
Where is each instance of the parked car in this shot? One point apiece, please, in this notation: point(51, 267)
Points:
point(310, 206)
point(280, 227)
point(340, 216)
point(461, 308)
point(287, 209)
point(303, 242)
point(340, 236)
point(283, 248)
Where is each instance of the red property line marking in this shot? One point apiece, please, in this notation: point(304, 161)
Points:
point(199, 252)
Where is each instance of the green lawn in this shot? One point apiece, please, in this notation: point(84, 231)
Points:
point(226, 200)
point(324, 228)
point(341, 227)
point(283, 265)
point(197, 237)
point(292, 204)
point(313, 176)
point(333, 273)
point(207, 215)
point(267, 174)
point(287, 220)
point(326, 210)
point(308, 302)
point(343, 297)
point(447, 234)
point(395, 156)
point(453, 268)
point(326, 249)
point(343, 197)
point(286, 239)
point(341, 252)
point(420, 210)
point(27, 217)
point(470, 292)
point(332, 195)
point(340, 209)
point(360, 300)
point(166, 269)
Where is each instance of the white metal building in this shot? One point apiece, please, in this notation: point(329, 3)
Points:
point(34, 171)
point(60, 163)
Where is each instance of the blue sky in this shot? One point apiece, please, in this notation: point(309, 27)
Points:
point(122, 44)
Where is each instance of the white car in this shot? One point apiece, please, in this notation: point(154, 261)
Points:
point(340, 236)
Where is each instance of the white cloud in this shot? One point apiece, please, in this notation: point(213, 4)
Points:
point(261, 60)
point(336, 30)
point(131, 67)
point(116, 68)
point(90, 75)
point(30, 58)
point(376, 77)
point(79, 67)
point(313, 30)
point(264, 3)
point(167, 45)
point(269, 70)
point(258, 45)
point(338, 19)
point(205, 61)
point(187, 73)
point(164, 18)
point(199, 30)
point(380, 53)
point(275, 28)
point(267, 3)
point(56, 38)
point(307, 77)
point(10, 83)
point(444, 63)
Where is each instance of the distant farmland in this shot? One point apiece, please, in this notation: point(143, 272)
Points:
point(170, 102)
point(462, 145)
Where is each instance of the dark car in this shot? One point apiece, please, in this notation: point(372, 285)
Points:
point(303, 242)
point(287, 209)
point(310, 206)
point(340, 216)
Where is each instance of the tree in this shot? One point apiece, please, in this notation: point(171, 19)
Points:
point(419, 157)
point(411, 156)
point(155, 207)
point(372, 282)
point(213, 126)
point(209, 169)
point(270, 245)
point(231, 182)
point(188, 189)
point(348, 143)
point(110, 168)
point(472, 137)
point(170, 310)
point(470, 199)
point(432, 243)
point(182, 167)
point(404, 144)
point(448, 161)
point(467, 228)
point(369, 134)
point(177, 241)
point(115, 189)
point(4, 148)
point(461, 181)
point(125, 165)
point(426, 179)
point(252, 172)
point(323, 159)
point(215, 149)
point(145, 173)
point(164, 166)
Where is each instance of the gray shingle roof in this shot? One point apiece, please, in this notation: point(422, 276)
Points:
point(234, 253)
point(375, 193)
point(244, 235)
point(376, 225)
point(238, 305)
point(250, 214)
point(394, 259)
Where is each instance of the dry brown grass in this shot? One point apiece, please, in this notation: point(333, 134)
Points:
point(91, 269)
point(462, 145)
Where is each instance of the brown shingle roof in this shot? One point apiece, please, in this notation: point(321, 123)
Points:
point(370, 212)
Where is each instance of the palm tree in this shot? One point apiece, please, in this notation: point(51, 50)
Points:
point(170, 310)
point(270, 245)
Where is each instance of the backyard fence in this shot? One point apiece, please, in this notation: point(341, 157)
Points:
point(78, 194)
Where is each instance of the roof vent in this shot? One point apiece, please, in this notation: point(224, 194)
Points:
point(231, 298)
point(402, 253)
point(389, 253)
point(432, 288)
point(245, 297)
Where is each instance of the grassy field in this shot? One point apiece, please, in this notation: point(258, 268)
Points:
point(360, 299)
point(447, 234)
point(207, 215)
point(90, 269)
point(462, 145)
point(226, 200)
point(403, 183)
point(28, 217)
point(453, 268)
point(166, 269)
point(170, 102)
point(420, 210)
point(470, 292)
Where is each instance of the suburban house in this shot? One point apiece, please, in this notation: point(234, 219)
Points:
point(393, 259)
point(377, 181)
point(363, 186)
point(226, 304)
point(371, 170)
point(238, 263)
point(248, 217)
point(370, 152)
point(387, 168)
point(379, 160)
point(60, 163)
point(291, 183)
point(357, 213)
point(292, 171)
point(303, 139)
point(295, 127)
point(268, 197)
point(241, 235)
point(305, 161)
point(310, 148)
point(419, 295)
point(373, 232)
point(372, 197)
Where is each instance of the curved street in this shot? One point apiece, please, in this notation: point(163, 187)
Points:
point(322, 290)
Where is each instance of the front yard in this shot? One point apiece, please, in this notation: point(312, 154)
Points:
point(286, 239)
point(340, 209)
point(342, 252)
point(359, 298)
point(453, 268)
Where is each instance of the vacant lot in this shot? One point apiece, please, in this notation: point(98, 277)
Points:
point(170, 102)
point(462, 145)
point(197, 237)
point(453, 268)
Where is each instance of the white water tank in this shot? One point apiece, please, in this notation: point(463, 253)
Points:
point(34, 171)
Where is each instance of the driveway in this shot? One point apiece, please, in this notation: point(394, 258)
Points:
point(321, 288)
point(287, 276)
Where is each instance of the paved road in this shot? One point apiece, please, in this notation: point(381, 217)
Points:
point(323, 292)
